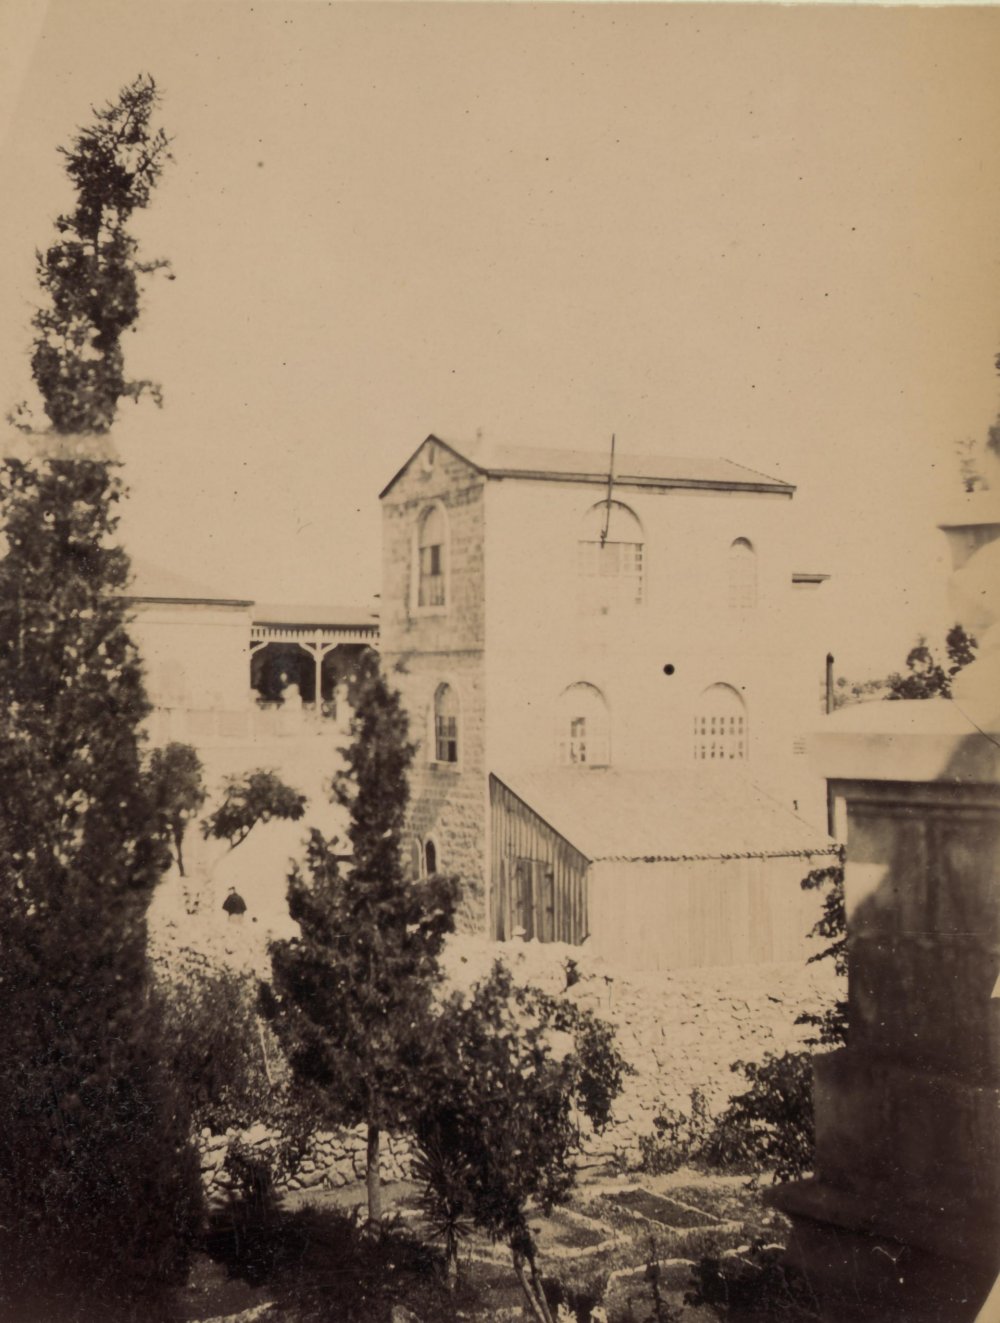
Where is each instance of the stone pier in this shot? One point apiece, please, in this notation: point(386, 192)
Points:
point(901, 1221)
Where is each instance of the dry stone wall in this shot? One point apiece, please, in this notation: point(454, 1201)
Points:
point(679, 1031)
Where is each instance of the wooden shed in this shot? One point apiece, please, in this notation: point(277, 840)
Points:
point(659, 870)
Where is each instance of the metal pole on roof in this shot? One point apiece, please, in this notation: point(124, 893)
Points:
point(611, 482)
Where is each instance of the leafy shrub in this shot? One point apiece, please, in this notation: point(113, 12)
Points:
point(175, 785)
point(513, 1067)
point(678, 1137)
point(258, 796)
point(770, 1125)
point(322, 1266)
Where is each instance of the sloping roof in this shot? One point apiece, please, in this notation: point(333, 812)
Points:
point(153, 583)
point(678, 814)
point(288, 613)
point(495, 460)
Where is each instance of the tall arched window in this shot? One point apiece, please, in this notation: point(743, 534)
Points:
point(742, 574)
point(432, 545)
point(430, 858)
point(610, 557)
point(446, 715)
point(720, 725)
point(583, 728)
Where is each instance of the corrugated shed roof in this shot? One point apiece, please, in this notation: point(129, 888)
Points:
point(693, 813)
point(546, 463)
point(288, 613)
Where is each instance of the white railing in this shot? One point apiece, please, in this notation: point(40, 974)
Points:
point(256, 722)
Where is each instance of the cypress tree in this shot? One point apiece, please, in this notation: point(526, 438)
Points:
point(98, 1182)
point(351, 997)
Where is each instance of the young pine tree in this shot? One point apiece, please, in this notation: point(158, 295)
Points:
point(98, 1184)
point(351, 997)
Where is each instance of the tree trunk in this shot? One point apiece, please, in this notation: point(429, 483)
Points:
point(373, 1178)
point(533, 1294)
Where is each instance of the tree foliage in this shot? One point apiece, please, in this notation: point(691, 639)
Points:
point(176, 784)
point(98, 1182)
point(91, 273)
point(769, 1126)
point(93, 1149)
point(926, 676)
point(351, 997)
point(250, 798)
point(515, 1067)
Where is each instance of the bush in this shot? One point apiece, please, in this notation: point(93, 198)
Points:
point(237, 1077)
point(769, 1127)
point(678, 1138)
point(514, 1069)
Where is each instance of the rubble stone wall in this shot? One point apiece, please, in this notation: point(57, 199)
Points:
point(679, 1031)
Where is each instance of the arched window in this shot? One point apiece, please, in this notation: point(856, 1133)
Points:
point(742, 574)
point(432, 541)
point(445, 725)
point(583, 729)
point(720, 726)
point(430, 858)
point(416, 860)
point(610, 557)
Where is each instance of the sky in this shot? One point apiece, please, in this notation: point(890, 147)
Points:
point(760, 232)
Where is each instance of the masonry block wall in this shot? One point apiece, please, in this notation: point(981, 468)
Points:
point(426, 646)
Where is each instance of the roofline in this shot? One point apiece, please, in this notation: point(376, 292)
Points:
point(307, 622)
point(623, 480)
point(535, 813)
point(438, 442)
point(187, 601)
point(760, 483)
point(802, 852)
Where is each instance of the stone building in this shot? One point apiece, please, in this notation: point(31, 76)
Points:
point(546, 613)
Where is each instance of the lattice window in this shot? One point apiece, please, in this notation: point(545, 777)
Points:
point(583, 733)
point(610, 557)
point(720, 726)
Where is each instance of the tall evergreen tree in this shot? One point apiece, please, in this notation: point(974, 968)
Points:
point(98, 1184)
point(351, 996)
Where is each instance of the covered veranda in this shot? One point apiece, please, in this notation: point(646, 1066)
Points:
point(308, 655)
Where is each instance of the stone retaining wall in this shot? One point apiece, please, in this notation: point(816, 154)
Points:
point(679, 1031)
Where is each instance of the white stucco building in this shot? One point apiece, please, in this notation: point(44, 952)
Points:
point(548, 614)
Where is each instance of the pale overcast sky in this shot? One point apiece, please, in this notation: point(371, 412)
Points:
point(767, 233)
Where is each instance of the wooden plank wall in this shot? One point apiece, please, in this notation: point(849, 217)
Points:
point(559, 871)
point(702, 912)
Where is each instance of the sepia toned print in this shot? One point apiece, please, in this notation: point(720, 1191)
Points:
point(498, 662)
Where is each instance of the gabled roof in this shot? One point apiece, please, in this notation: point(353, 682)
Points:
point(713, 813)
point(545, 464)
point(153, 583)
point(285, 613)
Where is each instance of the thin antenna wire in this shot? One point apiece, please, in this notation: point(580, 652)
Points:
point(611, 482)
